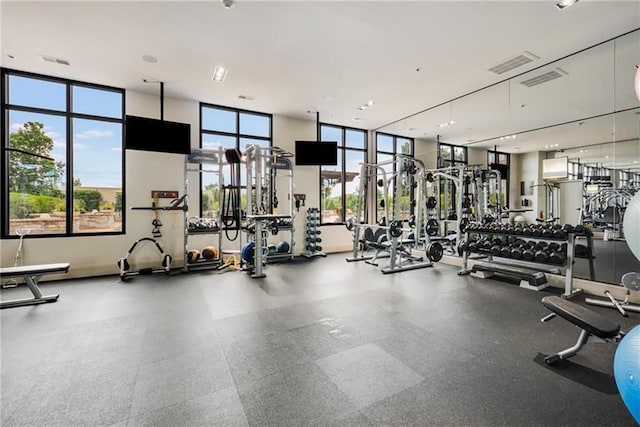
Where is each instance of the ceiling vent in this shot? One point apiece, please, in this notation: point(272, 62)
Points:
point(546, 77)
point(513, 62)
point(54, 60)
point(246, 97)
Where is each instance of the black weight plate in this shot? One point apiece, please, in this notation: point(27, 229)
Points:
point(434, 251)
point(432, 203)
point(432, 227)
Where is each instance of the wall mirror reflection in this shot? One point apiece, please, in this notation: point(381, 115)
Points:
point(580, 110)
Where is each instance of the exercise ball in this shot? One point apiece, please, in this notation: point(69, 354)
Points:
point(209, 253)
point(631, 225)
point(626, 369)
point(282, 247)
point(519, 219)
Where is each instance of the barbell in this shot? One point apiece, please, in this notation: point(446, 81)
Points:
point(394, 227)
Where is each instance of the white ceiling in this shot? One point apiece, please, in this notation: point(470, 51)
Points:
point(326, 56)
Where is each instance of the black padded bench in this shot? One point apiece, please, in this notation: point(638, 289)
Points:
point(31, 275)
point(591, 324)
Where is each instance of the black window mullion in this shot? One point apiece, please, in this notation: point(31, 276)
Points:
point(69, 159)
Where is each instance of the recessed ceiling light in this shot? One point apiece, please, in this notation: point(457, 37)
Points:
point(150, 59)
point(563, 4)
point(228, 4)
point(246, 97)
point(219, 74)
point(362, 108)
point(370, 103)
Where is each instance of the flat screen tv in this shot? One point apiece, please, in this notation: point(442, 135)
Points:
point(141, 133)
point(316, 153)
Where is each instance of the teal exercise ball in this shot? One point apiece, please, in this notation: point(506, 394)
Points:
point(626, 370)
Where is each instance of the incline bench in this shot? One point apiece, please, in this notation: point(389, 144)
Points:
point(592, 325)
point(31, 275)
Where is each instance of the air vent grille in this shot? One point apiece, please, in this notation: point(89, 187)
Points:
point(513, 62)
point(545, 77)
point(54, 60)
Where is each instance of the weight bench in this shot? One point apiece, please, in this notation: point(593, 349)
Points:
point(31, 275)
point(593, 326)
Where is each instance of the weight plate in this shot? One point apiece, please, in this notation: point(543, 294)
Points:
point(432, 203)
point(432, 227)
point(434, 251)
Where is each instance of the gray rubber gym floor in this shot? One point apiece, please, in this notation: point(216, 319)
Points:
point(324, 342)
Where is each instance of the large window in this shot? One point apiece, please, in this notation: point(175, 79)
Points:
point(339, 184)
point(387, 146)
point(62, 159)
point(451, 155)
point(575, 171)
point(229, 128)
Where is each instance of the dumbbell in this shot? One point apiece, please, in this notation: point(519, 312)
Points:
point(557, 257)
point(486, 245)
point(528, 253)
point(542, 255)
point(314, 239)
point(536, 231)
point(505, 251)
point(473, 247)
point(552, 247)
point(496, 250)
point(516, 252)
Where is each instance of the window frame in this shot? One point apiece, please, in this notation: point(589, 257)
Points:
point(444, 210)
point(342, 153)
point(236, 134)
point(69, 116)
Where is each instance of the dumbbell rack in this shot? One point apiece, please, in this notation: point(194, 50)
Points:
point(312, 249)
point(567, 266)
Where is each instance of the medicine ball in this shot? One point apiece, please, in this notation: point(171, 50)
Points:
point(193, 255)
point(210, 252)
point(248, 251)
point(283, 247)
point(272, 250)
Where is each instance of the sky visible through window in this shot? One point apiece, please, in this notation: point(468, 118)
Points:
point(97, 145)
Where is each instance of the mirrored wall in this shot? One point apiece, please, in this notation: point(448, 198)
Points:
point(582, 107)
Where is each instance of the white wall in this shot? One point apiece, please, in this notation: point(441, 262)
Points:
point(530, 168)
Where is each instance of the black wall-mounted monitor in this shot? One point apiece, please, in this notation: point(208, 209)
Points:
point(141, 133)
point(316, 153)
